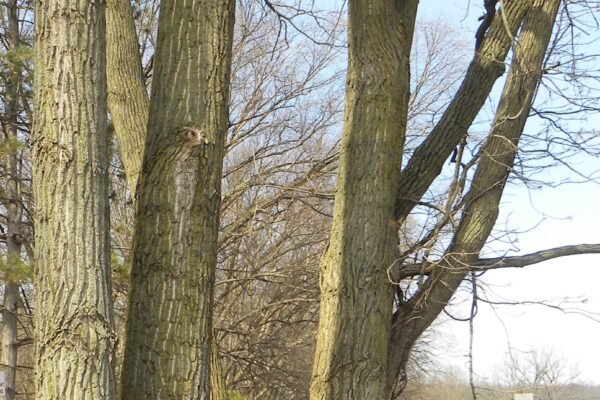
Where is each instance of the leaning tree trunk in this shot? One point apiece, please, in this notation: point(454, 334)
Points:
point(352, 352)
point(485, 68)
point(482, 201)
point(127, 96)
point(14, 211)
point(169, 326)
point(73, 314)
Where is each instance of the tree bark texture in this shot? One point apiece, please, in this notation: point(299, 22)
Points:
point(14, 212)
point(73, 315)
point(352, 355)
point(482, 201)
point(217, 380)
point(128, 101)
point(128, 104)
point(169, 327)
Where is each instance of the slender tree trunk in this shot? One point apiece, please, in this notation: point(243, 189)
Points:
point(486, 67)
point(9, 338)
point(14, 213)
point(127, 96)
point(73, 314)
point(352, 352)
point(481, 209)
point(217, 381)
point(169, 326)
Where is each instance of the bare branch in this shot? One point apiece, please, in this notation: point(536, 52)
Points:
point(486, 264)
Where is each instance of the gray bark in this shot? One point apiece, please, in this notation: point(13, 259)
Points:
point(352, 355)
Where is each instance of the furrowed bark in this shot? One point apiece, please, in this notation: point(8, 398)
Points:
point(485, 68)
point(128, 101)
point(217, 381)
point(481, 209)
point(73, 315)
point(352, 352)
point(14, 212)
point(128, 104)
point(169, 326)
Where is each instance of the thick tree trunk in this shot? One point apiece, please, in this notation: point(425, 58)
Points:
point(14, 213)
point(352, 352)
point(481, 203)
point(73, 314)
point(128, 104)
point(127, 96)
point(169, 326)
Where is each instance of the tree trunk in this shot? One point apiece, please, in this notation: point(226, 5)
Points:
point(14, 213)
point(9, 338)
point(217, 381)
point(128, 104)
point(486, 67)
point(169, 326)
point(352, 352)
point(73, 314)
point(127, 96)
point(481, 203)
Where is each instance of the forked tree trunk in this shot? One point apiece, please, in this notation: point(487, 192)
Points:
point(357, 336)
point(482, 202)
point(169, 326)
point(128, 104)
point(352, 354)
point(73, 315)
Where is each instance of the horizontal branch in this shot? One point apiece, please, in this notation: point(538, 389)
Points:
point(486, 264)
point(18, 366)
point(537, 257)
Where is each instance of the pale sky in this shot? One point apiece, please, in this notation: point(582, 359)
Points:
point(572, 336)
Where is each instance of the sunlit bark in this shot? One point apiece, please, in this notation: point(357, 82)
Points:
point(352, 354)
point(127, 96)
point(73, 314)
point(485, 68)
